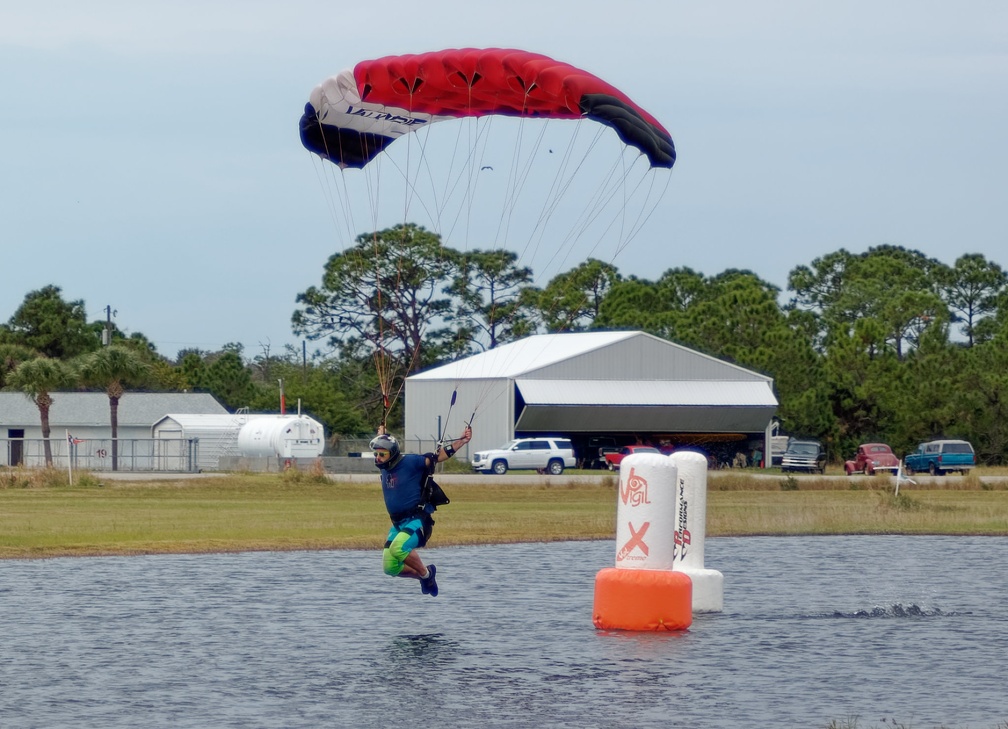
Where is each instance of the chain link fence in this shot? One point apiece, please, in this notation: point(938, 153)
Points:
point(170, 455)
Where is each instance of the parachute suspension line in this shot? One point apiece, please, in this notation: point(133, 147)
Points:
point(468, 174)
point(594, 208)
point(381, 358)
point(648, 206)
point(423, 165)
point(463, 177)
point(599, 202)
point(450, 179)
point(335, 194)
point(562, 182)
point(471, 147)
point(327, 193)
point(518, 175)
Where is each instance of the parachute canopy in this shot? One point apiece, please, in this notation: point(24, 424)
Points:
point(352, 116)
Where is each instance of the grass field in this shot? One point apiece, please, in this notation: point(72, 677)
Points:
point(41, 515)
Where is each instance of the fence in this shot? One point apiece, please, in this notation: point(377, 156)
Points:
point(178, 455)
point(171, 455)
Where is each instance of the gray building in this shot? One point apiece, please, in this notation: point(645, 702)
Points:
point(85, 416)
point(590, 386)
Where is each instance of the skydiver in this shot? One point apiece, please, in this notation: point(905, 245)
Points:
point(403, 477)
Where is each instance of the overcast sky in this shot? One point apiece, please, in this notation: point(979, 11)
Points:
point(150, 160)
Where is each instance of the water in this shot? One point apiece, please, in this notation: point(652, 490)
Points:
point(904, 629)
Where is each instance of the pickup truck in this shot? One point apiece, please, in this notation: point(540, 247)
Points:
point(804, 455)
point(938, 457)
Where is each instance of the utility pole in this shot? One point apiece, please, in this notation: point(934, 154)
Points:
point(107, 333)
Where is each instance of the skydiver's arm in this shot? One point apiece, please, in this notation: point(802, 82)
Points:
point(447, 451)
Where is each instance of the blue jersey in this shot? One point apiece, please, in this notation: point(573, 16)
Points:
point(402, 484)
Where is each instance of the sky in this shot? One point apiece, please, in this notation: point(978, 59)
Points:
point(150, 159)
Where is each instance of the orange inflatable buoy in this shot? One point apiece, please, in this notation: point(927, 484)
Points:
point(642, 600)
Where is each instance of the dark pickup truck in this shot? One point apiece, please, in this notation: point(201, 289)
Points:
point(938, 457)
point(804, 455)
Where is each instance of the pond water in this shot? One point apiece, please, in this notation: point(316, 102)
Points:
point(815, 629)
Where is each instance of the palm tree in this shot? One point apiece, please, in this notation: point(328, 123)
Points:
point(38, 379)
point(11, 355)
point(113, 368)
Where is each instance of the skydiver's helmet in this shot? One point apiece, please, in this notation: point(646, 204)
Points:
point(386, 443)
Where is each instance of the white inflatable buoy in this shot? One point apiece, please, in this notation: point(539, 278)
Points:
point(691, 532)
point(643, 591)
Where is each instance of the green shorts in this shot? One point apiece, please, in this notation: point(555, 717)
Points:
point(402, 539)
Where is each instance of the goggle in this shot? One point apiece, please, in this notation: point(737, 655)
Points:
point(382, 454)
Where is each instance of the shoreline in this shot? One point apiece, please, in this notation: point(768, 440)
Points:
point(102, 515)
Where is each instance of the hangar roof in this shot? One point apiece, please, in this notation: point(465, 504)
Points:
point(542, 353)
point(517, 358)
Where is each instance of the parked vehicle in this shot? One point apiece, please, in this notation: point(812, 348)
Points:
point(804, 455)
point(938, 457)
point(613, 459)
point(552, 455)
point(778, 444)
point(595, 451)
point(872, 458)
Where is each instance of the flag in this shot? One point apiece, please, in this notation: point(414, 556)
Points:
point(73, 441)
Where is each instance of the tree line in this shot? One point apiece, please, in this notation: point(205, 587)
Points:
point(887, 345)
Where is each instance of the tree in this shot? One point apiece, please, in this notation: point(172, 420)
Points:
point(658, 308)
point(571, 301)
point(11, 355)
point(860, 382)
point(384, 297)
point(38, 378)
point(983, 397)
point(637, 304)
point(227, 379)
point(51, 326)
point(972, 288)
point(320, 390)
point(732, 318)
point(487, 287)
point(895, 286)
point(114, 369)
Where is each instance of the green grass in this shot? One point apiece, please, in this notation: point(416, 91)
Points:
point(41, 515)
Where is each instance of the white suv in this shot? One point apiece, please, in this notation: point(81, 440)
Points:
point(550, 454)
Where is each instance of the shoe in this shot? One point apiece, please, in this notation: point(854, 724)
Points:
point(428, 585)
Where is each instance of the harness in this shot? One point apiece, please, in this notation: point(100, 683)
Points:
point(431, 497)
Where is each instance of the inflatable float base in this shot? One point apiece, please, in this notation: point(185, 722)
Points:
point(642, 600)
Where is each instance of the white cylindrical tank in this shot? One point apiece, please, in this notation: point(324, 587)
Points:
point(286, 436)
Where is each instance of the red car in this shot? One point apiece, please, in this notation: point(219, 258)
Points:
point(613, 459)
point(872, 458)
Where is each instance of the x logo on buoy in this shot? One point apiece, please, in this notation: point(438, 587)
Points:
point(636, 540)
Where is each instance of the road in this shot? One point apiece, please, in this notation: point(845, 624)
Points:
point(530, 479)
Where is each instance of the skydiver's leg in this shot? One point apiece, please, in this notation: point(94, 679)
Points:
point(414, 565)
point(400, 556)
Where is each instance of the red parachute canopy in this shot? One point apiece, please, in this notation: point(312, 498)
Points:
point(353, 116)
